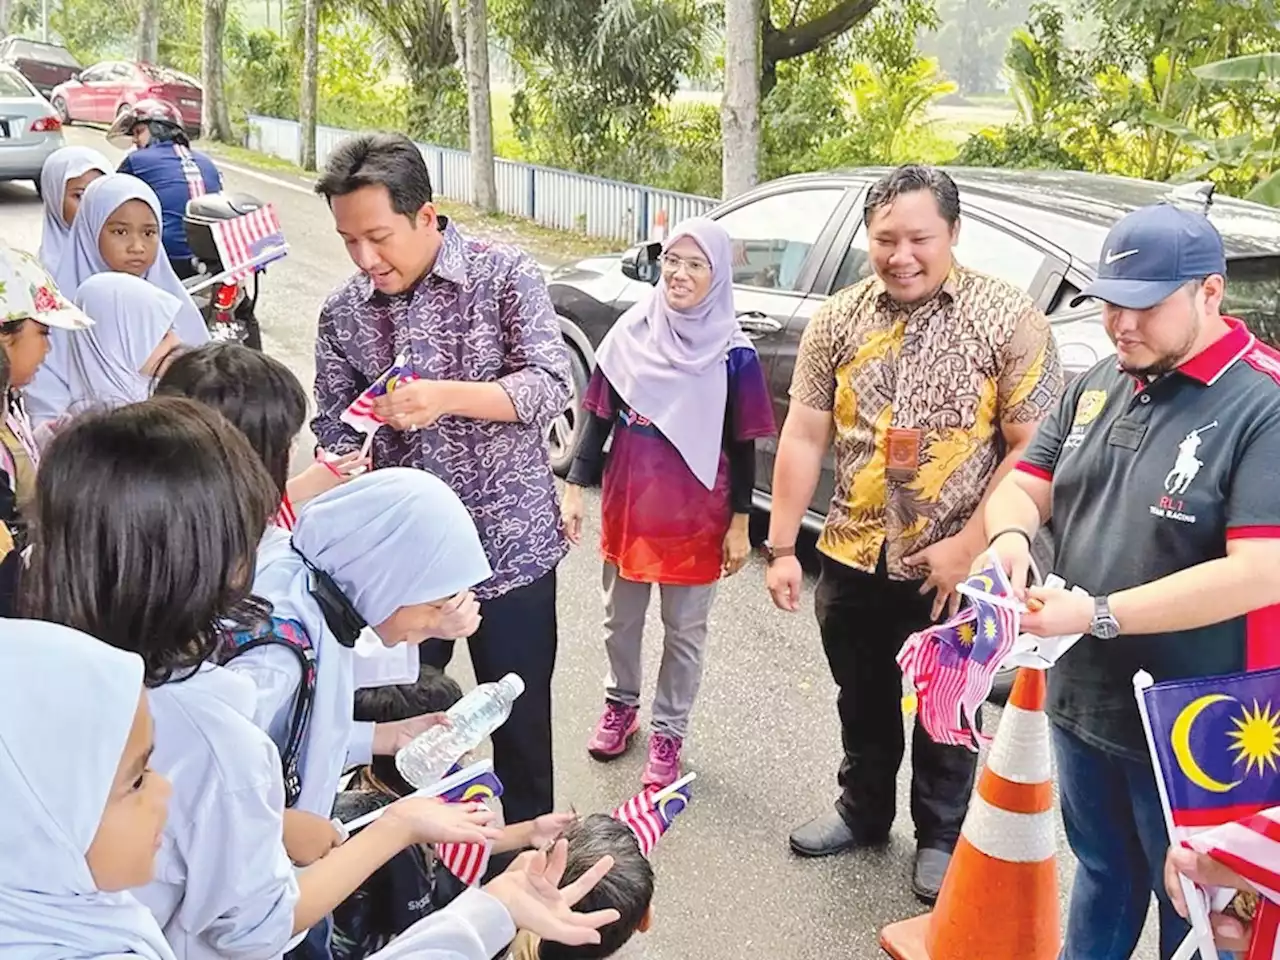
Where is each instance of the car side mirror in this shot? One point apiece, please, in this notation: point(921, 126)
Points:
point(643, 263)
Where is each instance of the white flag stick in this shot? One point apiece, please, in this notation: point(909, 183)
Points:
point(668, 791)
point(1202, 931)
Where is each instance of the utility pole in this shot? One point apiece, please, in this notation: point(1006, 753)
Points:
point(44, 20)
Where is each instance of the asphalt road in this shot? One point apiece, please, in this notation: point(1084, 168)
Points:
point(764, 738)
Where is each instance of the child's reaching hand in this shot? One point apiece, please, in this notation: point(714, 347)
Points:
point(548, 828)
point(325, 474)
point(431, 820)
point(390, 738)
point(530, 890)
point(458, 617)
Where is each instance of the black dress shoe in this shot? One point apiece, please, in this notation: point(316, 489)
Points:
point(926, 876)
point(827, 834)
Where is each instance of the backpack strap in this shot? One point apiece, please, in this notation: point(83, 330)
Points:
point(279, 631)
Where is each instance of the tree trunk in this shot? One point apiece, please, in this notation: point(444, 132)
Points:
point(484, 190)
point(459, 29)
point(148, 41)
point(214, 122)
point(5, 9)
point(310, 80)
point(740, 106)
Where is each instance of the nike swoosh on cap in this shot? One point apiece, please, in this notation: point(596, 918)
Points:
point(1113, 257)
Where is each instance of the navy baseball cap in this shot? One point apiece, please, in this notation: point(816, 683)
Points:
point(1153, 251)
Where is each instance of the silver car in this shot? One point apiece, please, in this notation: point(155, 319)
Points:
point(29, 129)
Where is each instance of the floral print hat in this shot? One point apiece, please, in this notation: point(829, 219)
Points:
point(27, 292)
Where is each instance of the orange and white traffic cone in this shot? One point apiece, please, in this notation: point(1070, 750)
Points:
point(658, 233)
point(999, 900)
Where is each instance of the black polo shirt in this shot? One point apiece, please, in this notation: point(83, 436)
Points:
point(1149, 479)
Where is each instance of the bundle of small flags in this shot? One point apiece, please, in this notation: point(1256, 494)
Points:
point(360, 414)
point(1215, 744)
point(468, 861)
point(951, 666)
point(650, 812)
point(249, 242)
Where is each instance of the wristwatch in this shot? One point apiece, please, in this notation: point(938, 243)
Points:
point(1104, 626)
point(772, 553)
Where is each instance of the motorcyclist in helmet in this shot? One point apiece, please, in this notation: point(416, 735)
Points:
point(165, 160)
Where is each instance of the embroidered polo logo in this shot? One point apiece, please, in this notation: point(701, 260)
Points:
point(1088, 407)
point(1187, 465)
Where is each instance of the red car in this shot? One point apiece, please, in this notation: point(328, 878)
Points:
point(101, 92)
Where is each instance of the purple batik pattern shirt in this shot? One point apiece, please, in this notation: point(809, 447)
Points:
point(481, 315)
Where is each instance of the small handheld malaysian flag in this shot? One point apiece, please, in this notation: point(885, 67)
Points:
point(468, 861)
point(650, 812)
point(952, 665)
point(249, 242)
point(360, 413)
point(1215, 745)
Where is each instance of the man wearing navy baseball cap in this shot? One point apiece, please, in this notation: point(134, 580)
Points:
point(1158, 470)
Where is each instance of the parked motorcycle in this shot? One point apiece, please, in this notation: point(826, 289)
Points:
point(233, 236)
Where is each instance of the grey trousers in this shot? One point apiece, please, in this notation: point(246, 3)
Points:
point(685, 611)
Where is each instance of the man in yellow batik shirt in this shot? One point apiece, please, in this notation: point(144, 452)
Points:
point(928, 380)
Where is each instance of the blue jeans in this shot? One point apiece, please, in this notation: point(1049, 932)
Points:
point(1116, 828)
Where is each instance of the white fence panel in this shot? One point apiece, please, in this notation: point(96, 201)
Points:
point(625, 212)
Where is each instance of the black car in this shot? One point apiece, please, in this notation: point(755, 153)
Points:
point(45, 65)
point(1042, 231)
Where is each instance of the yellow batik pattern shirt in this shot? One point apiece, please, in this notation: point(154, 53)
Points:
point(977, 355)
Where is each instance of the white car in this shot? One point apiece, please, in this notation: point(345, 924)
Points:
point(29, 129)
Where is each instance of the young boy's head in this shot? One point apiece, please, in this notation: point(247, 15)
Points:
point(256, 392)
point(627, 887)
point(434, 692)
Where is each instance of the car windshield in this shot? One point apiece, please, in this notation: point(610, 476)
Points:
point(1253, 295)
point(12, 86)
point(45, 53)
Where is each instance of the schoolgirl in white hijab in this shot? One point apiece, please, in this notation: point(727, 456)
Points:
point(117, 206)
point(82, 812)
point(63, 179)
point(384, 549)
point(168, 572)
point(121, 215)
point(117, 359)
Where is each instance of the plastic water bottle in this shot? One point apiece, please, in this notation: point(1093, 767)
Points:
point(431, 753)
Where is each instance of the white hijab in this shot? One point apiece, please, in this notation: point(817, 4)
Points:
point(65, 163)
point(67, 704)
point(130, 318)
point(389, 539)
point(84, 259)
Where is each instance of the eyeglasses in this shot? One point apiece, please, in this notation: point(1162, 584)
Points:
point(695, 268)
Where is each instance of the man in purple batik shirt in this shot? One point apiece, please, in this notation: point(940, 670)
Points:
point(477, 326)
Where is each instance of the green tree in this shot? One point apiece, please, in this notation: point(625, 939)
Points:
point(1043, 74)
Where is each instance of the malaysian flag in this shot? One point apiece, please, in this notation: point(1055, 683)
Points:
point(951, 666)
point(468, 861)
point(650, 812)
point(360, 413)
point(1215, 744)
point(249, 242)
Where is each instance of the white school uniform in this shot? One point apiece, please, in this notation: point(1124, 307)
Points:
point(224, 886)
point(67, 706)
point(391, 538)
point(473, 927)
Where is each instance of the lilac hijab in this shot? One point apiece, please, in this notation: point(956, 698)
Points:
point(671, 366)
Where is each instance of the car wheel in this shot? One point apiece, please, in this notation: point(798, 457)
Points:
point(60, 105)
point(565, 430)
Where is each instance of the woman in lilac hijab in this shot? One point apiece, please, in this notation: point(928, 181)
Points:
point(683, 394)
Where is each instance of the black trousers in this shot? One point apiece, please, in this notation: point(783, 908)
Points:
point(517, 635)
point(864, 620)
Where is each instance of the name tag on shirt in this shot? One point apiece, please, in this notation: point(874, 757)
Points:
point(902, 445)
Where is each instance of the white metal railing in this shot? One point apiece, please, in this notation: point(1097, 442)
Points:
point(626, 212)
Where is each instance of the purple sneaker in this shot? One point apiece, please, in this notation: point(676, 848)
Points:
point(618, 724)
point(663, 768)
